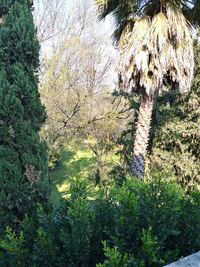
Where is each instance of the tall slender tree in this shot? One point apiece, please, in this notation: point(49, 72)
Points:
point(23, 156)
point(156, 48)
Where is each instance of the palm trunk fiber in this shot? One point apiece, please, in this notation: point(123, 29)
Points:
point(142, 136)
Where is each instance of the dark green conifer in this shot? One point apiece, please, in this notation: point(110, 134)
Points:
point(23, 156)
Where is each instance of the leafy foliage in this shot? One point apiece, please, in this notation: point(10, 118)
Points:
point(144, 224)
point(129, 224)
point(117, 259)
point(176, 139)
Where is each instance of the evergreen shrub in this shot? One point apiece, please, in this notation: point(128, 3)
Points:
point(138, 224)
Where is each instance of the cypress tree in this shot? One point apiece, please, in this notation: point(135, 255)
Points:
point(23, 156)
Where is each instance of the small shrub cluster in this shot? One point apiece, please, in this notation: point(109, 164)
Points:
point(137, 224)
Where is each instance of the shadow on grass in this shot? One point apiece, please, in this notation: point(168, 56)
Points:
point(72, 165)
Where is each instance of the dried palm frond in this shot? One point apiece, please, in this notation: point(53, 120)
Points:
point(126, 35)
point(155, 49)
point(133, 60)
point(183, 57)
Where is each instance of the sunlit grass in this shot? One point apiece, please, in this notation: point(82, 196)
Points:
point(76, 161)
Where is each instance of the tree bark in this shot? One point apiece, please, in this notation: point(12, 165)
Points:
point(142, 136)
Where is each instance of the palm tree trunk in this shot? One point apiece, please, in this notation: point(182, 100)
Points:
point(142, 136)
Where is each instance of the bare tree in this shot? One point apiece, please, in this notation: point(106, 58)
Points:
point(50, 18)
point(77, 81)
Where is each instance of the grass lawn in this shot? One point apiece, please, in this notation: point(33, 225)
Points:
point(76, 161)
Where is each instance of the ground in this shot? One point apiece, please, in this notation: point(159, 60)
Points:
point(75, 162)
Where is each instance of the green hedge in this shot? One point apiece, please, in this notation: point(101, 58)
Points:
point(138, 224)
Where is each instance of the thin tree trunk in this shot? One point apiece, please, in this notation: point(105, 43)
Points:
point(142, 136)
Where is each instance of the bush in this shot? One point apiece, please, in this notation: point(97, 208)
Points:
point(147, 224)
point(54, 157)
point(117, 259)
point(152, 219)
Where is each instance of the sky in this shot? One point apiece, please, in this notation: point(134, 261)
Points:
point(45, 11)
point(67, 22)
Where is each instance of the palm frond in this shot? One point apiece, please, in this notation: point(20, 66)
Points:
point(122, 11)
point(156, 46)
point(155, 49)
point(107, 6)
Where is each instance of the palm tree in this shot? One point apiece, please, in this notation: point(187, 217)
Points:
point(156, 48)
